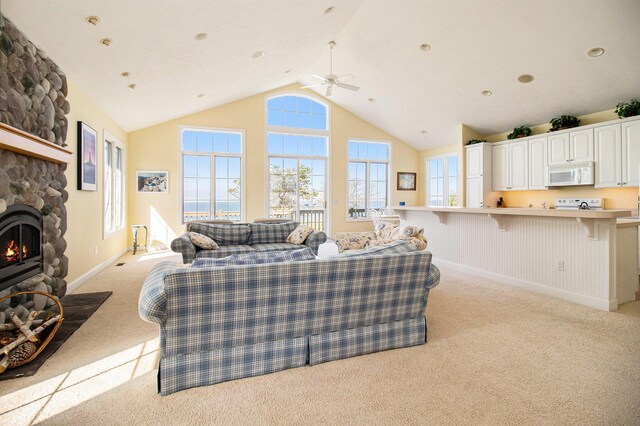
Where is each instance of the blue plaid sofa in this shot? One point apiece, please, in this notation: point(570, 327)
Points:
point(228, 322)
point(239, 238)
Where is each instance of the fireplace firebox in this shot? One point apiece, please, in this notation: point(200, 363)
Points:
point(20, 244)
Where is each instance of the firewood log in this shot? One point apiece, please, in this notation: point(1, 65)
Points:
point(23, 328)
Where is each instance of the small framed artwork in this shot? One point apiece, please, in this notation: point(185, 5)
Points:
point(148, 181)
point(406, 181)
point(87, 158)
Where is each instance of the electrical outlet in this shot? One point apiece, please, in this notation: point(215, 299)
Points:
point(561, 265)
point(95, 251)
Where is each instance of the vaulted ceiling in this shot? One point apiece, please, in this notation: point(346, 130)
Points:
point(474, 46)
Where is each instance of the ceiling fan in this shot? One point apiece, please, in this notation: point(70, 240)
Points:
point(331, 79)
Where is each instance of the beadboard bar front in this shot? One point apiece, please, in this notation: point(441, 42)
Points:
point(547, 251)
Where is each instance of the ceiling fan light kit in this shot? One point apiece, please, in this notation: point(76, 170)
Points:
point(330, 80)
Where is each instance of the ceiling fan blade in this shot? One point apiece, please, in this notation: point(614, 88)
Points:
point(313, 85)
point(329, 91)
point(319, 77)
point(348, 86)
point(347, 75)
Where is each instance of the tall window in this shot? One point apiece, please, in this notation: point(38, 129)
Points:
point(211, 174)
point(368, 178)
point(113, 213)
point(297, 145)
point(442, 185)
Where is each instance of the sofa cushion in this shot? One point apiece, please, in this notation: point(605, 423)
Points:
point(398, 246)
point(202, 241)
point(298, 235)
point(223, 234)
point(274, 247)
point(224, 251)
point(270, 232)
point(258, 258)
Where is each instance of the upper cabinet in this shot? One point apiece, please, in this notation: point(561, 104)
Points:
point(569, 147)
point(510, 161)
point(617, 155)
point(474, 161)
point(478, 168)
point(538, 163)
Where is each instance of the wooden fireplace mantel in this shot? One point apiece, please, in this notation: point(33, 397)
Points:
point(21, 142)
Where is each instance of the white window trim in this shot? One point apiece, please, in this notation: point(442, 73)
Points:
point(299, 132)
point(181, 129)
point(108, 136)
point(389, 163)
point(445, 171)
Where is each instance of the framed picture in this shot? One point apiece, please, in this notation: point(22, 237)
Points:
point(87, 158)
point(406, 181)
point(151, 181)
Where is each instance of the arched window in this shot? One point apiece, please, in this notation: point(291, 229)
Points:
point(297, 147)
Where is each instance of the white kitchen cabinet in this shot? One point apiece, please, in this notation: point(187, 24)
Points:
point(538, 163)
point(478, 168)
point(510, 162)
point(617, 149)
point(630, 153)
point(570, 147)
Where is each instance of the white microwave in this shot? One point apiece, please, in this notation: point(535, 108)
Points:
point(571, 174)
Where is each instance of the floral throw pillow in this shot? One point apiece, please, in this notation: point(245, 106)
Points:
point(299, 234)
point(202, 241)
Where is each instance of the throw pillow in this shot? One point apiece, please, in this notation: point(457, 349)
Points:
point(254, 258)
point(202, 241)
point(299, 234)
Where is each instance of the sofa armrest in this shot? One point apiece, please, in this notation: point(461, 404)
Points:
point(433, 279)
point(314, 240)
point(185, 247)
point(152, 302)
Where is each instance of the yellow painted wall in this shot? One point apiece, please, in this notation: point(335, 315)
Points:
point(614, 197)
point(84, 208)
point(157, 148)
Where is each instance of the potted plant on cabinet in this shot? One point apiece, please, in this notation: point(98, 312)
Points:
point(519, 132)
point(475, 141)
point(563, 122)
point(628, 109)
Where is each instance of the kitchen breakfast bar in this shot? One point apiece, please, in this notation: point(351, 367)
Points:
point(584, 256)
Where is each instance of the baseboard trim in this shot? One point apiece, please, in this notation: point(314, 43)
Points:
point(593, 302)
point(82, 279)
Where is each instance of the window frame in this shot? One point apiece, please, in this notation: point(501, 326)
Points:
point(298, 131)
point(108, 137)
point(389, 164)
point(211, 155)
point(445, 174)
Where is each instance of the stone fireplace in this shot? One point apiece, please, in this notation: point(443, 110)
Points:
point(20, 244)
point(33, 161)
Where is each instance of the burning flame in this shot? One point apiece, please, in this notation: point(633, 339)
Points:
point(13, 252)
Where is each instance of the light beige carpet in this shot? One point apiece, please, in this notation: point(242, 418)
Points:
point(496, 355)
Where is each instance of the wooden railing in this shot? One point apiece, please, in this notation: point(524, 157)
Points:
point(313, 218)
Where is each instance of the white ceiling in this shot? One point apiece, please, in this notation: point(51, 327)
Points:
point(475, 45)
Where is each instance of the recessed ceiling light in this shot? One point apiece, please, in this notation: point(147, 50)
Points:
point(372, 100)
point(486, 93)
point(132, 86)
point(201, 95)
point(525, 78)
point(257, 55)
point(105, 42)
point(93, 20)
point(595, 52)
point(287, 71)
point(424, 132)
point(330, 9)
point(201, 36)
point(425, 47)
point(125, 74)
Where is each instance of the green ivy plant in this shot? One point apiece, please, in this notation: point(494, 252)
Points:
point(475, 141)
point(628, 109)
point(519, 132)
point(563, 122)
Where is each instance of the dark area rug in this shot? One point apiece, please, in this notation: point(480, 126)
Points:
point(77, 309)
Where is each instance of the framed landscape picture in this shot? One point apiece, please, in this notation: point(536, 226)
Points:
point(156, 182)
point(87, 158)
point(406, 181)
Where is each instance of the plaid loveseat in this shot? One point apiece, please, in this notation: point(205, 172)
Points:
point(225, 323)
point(240, 238)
